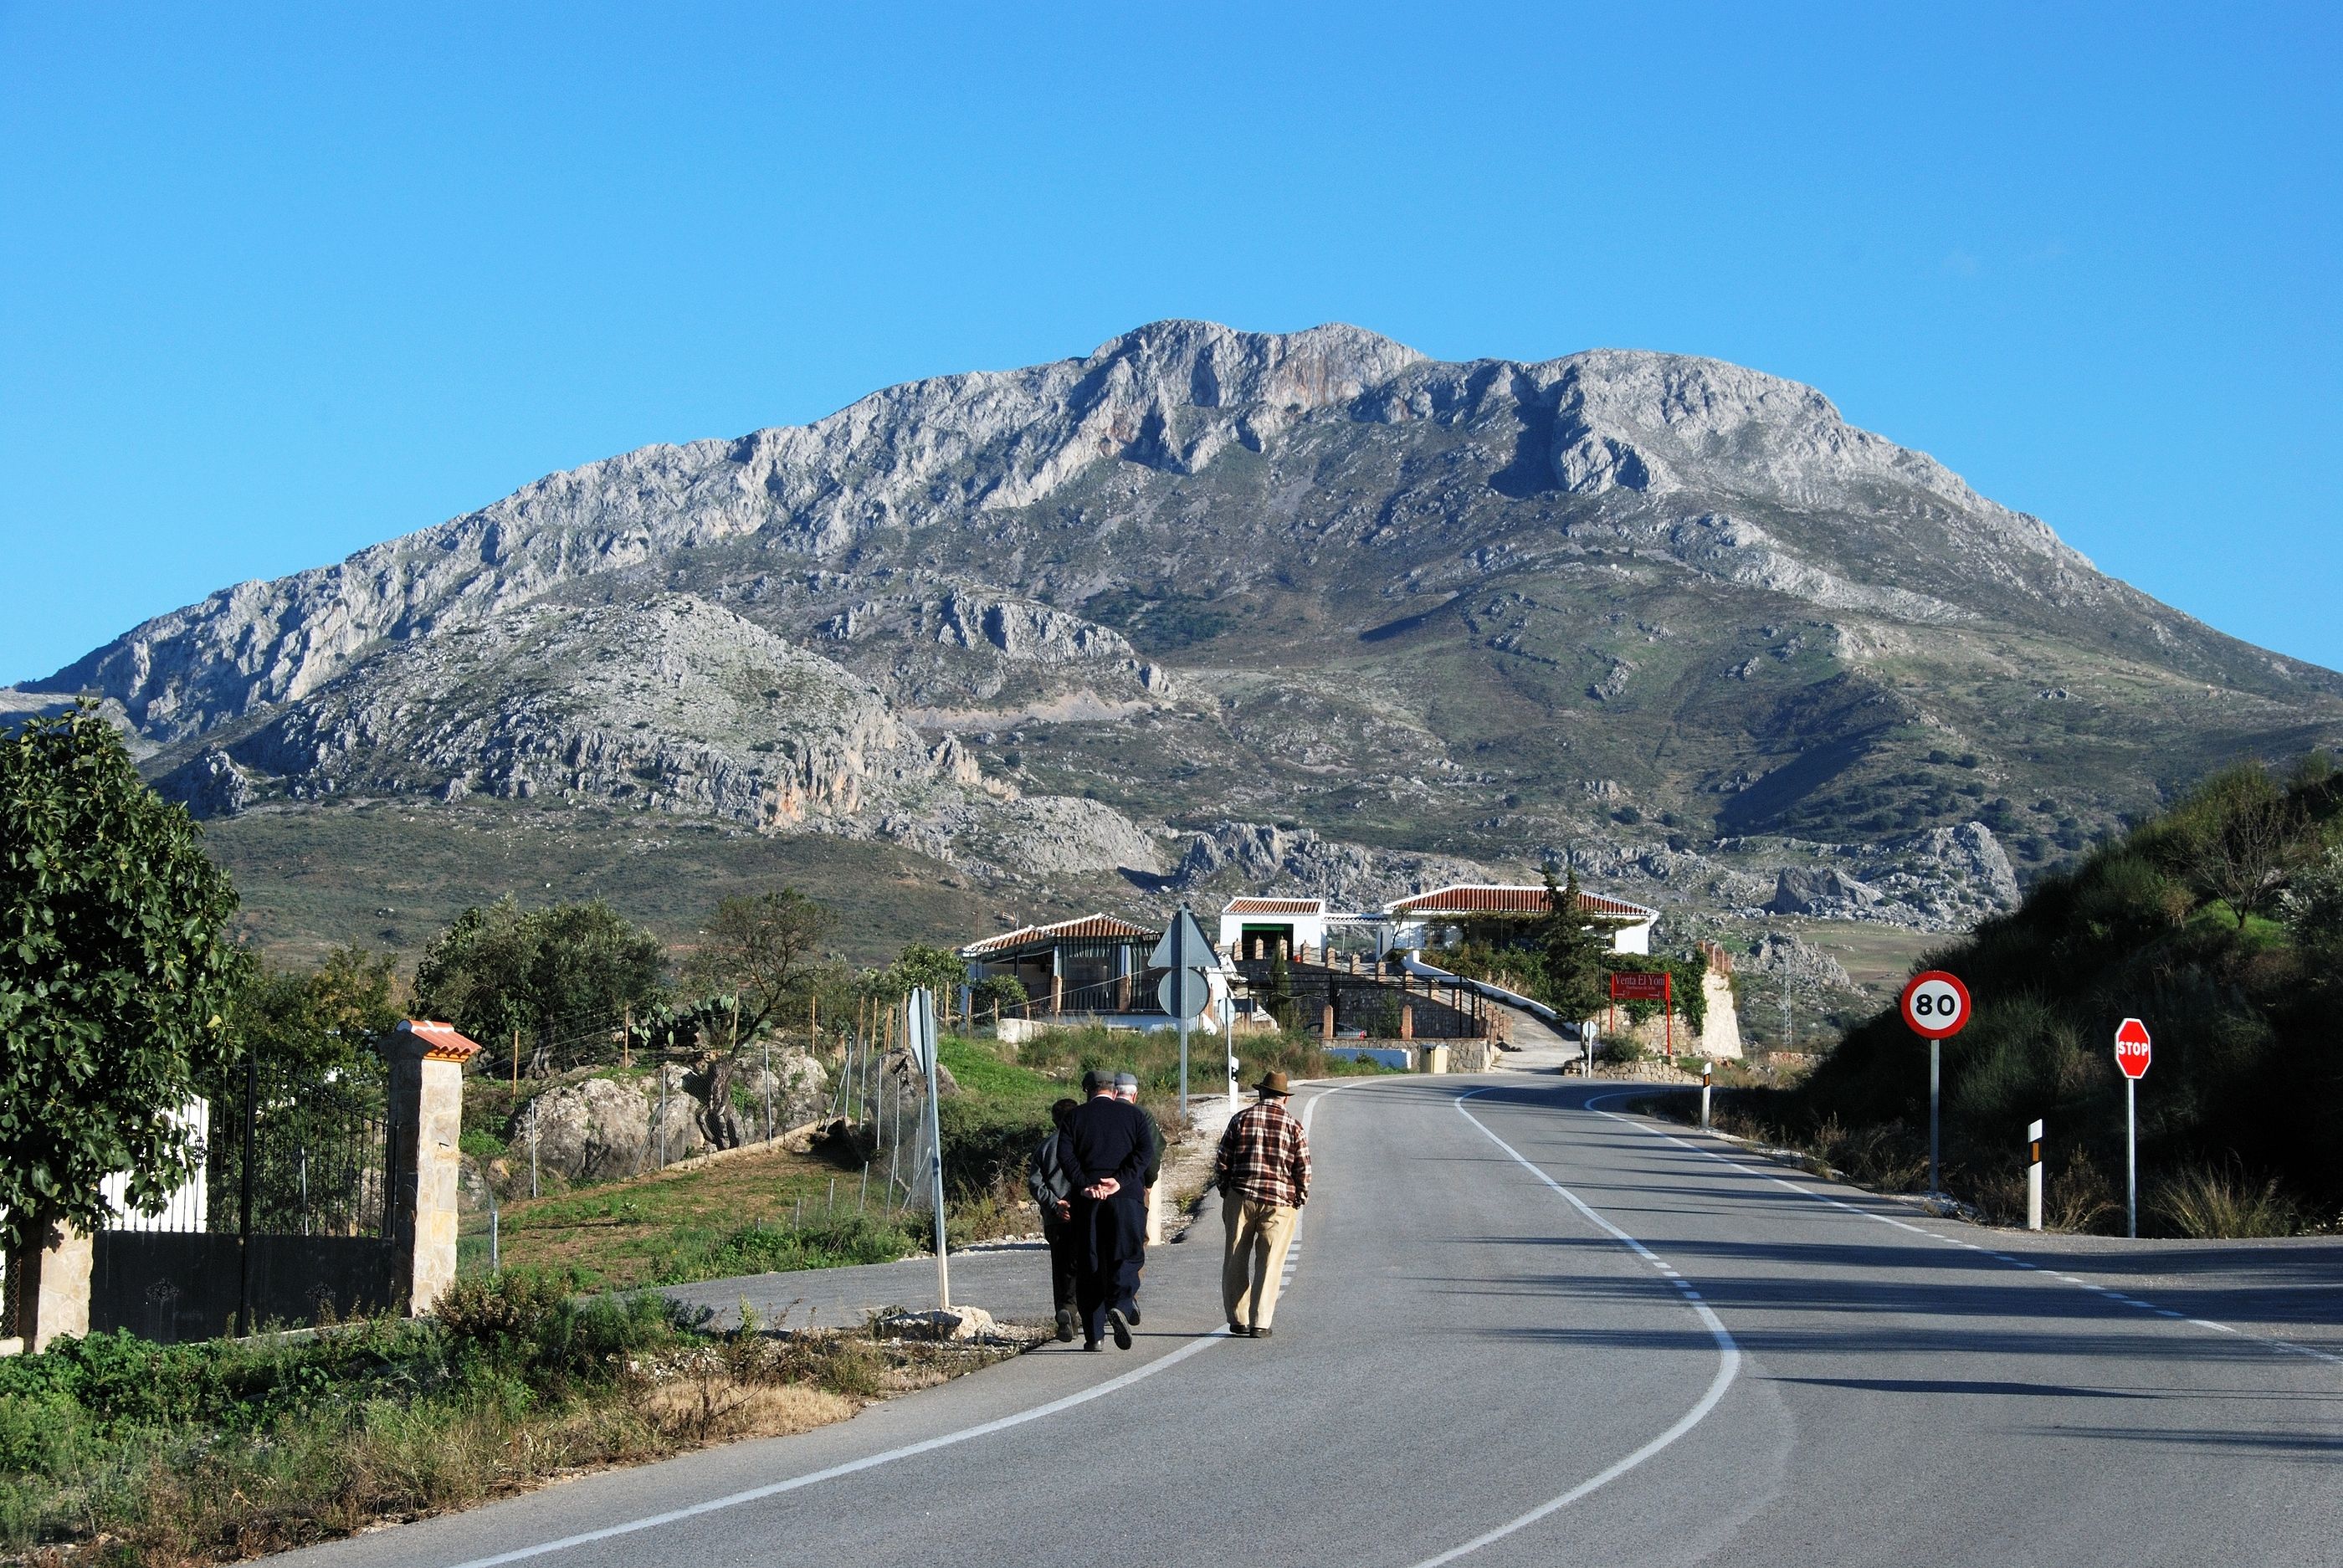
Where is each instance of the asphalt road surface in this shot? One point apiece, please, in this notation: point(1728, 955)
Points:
point(1526, 1330)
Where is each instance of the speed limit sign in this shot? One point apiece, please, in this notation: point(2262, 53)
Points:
point(1935, 1004)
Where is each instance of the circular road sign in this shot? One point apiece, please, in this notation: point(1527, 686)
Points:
point(1184, 992)
point(1935, 1004)
point(2132, 1048)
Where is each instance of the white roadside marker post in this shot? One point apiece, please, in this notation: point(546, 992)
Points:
point(2033, 1177)
point(1707, 1072)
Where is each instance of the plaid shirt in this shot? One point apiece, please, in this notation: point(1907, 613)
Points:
point(1265, 1156)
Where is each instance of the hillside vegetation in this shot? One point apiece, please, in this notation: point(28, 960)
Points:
point(2218, 923)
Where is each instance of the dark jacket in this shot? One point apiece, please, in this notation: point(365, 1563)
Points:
point(1048, 1180)
point(1107, 1138)
point(1154, 1150)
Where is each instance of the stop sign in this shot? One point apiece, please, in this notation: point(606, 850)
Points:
point(2131, 1048)
point(1935, 1004)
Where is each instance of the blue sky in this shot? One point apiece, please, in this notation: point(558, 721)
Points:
point(276, 281)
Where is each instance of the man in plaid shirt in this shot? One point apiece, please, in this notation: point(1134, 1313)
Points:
point(1264, 1174)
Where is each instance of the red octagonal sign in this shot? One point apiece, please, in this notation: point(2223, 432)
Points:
point(2131, 1048)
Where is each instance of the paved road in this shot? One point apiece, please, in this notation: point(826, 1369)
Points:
point(1527, 1330)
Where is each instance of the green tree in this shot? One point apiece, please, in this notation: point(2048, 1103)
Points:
point(562, 977)
point(117, 974)
point(1577, 983)
point(303, 1022)
point(763, 951)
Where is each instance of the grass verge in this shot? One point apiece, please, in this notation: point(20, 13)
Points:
point(118, 1452)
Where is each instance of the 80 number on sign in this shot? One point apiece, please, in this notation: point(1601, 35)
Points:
point(1935, 1004)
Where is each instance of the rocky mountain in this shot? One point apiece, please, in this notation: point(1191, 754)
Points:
point(1207, 608)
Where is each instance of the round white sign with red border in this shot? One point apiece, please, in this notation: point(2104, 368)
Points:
point(1935, 1004)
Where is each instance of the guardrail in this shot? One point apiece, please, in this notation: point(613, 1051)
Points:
point(1497, 993)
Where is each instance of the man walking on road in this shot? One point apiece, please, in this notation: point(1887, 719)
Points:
point(1106, 1149)
point(1053, 1194)
point(1262, 1171)
point(1126, 1089)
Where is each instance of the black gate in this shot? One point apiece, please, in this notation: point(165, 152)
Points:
point(287, 1224)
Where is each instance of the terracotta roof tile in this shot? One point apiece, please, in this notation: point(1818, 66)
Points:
point(1098, 925)
point(1493, 899)
point(1275, 907)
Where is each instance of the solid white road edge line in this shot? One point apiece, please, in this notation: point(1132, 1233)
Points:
point(1728, 1365)
point(2272, 1342)
point(871, 1461)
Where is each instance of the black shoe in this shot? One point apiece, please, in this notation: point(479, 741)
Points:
point(1089, 1344)
point(1131, 1312)
point(1261, 1333)
point(1121, 1330)
point(1065, 1325)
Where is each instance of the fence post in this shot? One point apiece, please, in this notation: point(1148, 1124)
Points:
point(244, 1198)
point(427, 1119)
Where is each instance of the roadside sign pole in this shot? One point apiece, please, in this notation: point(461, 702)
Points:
point(1935, 1005)
point(921, 1025)
point(1185, 952)
point(2134, 1051)
point(2033, 1177)
point(2131, 1159)
point(1935, 1087)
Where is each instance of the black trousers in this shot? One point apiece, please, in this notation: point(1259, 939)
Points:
point(1065, 1262)
point(1111, 1235)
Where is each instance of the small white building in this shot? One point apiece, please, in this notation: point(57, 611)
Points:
point(1252, 927)
point(1415, 919)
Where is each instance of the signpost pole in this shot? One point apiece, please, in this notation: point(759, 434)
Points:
point(922, 1029)
point(1935, 1055)
point(1935, 1005)
point(2131, 1159)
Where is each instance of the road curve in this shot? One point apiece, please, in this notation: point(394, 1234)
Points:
point(1528, 1328)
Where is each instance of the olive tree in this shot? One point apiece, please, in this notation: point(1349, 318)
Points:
point(118, 976)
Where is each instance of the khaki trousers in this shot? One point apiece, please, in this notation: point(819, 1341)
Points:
point(1253, 1266)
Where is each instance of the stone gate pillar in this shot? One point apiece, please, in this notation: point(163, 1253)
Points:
point(427, 1119)
point(49, 1290)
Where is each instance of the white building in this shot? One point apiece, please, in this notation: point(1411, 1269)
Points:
point(1254, 927)
point(1416, 920)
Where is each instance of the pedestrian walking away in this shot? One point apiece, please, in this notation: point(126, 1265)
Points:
point(1053, 1194)
point(1105, 1149)
point(1126, 1089)
point(1262, 1171)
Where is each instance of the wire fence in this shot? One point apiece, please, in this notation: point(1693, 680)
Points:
point(661, 1108)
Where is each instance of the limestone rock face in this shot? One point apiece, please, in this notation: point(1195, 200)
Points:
point(1257, 855)
point(1673, 621)
point(669, 702)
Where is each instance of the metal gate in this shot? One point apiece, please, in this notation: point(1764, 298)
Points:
point(286, 1223)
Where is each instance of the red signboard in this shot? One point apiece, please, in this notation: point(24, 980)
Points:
point(1935, 1004)
point(2132, 1048)
point(1639, 986)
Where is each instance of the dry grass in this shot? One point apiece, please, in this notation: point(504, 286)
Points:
point(2221, 1201)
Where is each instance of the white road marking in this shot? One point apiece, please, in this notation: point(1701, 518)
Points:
point(1728, 1363)
point(909, 1450)
point(2290, 1346)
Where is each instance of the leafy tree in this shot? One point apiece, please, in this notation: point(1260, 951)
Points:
point(301, 1023)
point(117, 974)
point(2313, 904)
point(2247, 836)
point(563, 976)
point(1576, 982)
point(763, 951)
point(1003, 991)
